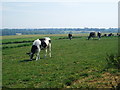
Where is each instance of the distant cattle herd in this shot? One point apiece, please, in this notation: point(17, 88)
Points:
point(93, 35)
point(99, 35)
point(110, 34)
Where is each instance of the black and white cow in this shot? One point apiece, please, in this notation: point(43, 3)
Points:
point(70, 36)
point(99, 35)
point(93, 35)
point(38, 45)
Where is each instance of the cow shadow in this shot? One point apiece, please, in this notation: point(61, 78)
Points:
point(95, 39)
point(27, 60)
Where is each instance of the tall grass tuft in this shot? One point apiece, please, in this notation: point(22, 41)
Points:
point(113, 61)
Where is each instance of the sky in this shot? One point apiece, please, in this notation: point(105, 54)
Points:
point(59, 13)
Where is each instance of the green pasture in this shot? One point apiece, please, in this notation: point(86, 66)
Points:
point(71, 60)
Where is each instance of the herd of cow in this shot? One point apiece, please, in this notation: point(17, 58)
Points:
point(45, 44)
point(96, 34)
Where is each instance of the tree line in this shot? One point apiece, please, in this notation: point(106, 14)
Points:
point(53, 30)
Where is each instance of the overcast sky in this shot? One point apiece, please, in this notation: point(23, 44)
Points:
point(64, 13)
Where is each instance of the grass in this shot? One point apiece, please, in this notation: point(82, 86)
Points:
point(72, 60)
point(113, 61)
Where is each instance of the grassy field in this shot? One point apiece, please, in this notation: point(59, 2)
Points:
point(76, 63)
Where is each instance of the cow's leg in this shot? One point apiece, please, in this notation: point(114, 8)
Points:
point(32, 52)
point(50, 50)
point(38, 54)
point(99, 37)
point(88, 37)
point(50, 53)
point(93, 38)
point(31, 56)
point(45, 52)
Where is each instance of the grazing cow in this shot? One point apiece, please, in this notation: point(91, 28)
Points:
point(39, 45)
point(105, 35)
point(118, 34)
point(70, 36)
point(110, 34)
point(93, 35)
point(99, 35)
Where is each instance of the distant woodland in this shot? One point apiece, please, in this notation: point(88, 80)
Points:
point(55, 31)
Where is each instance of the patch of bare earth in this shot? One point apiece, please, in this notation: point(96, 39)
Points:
point(106, 80)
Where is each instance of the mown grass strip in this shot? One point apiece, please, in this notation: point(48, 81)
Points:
point(72, 37)
point(23, 45)
point(18, 42)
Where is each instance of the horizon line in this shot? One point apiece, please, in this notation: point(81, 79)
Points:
point(62, 27)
